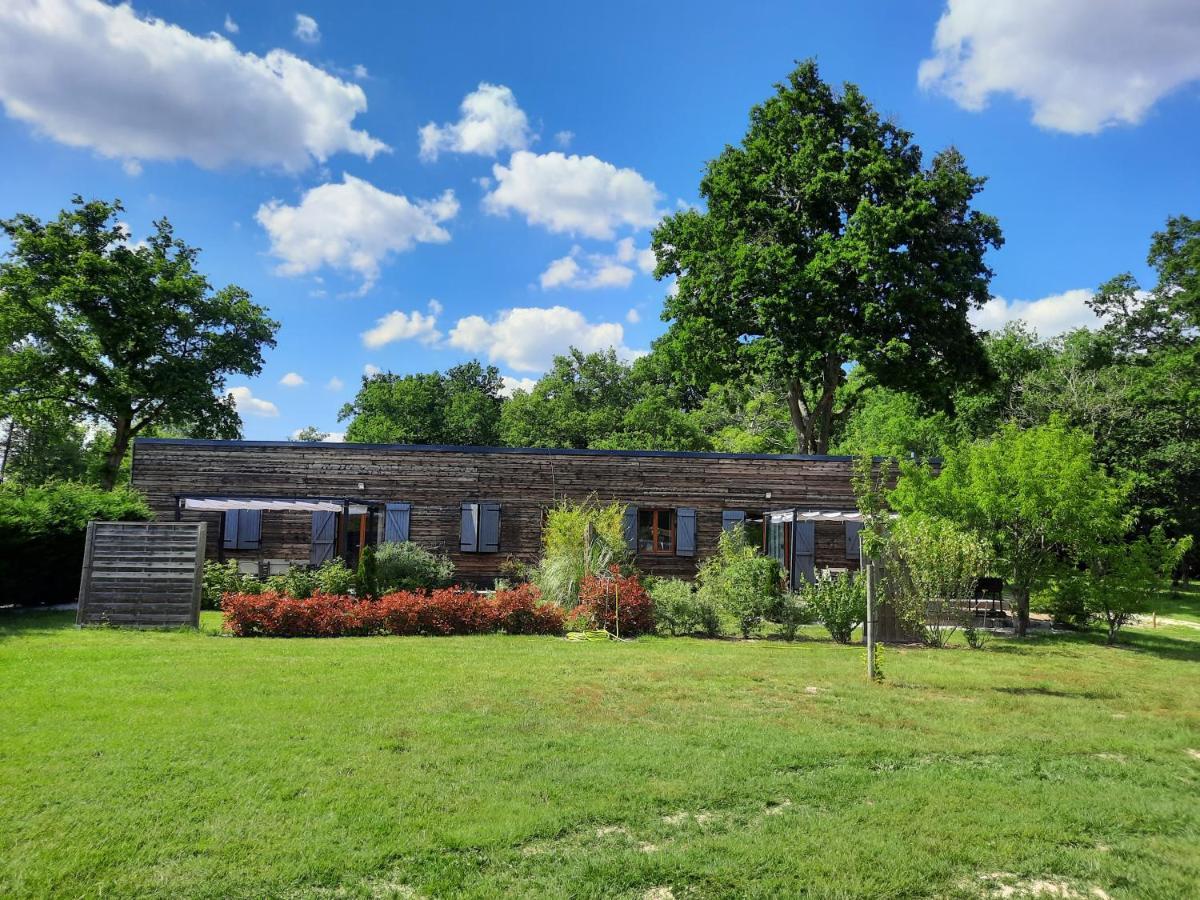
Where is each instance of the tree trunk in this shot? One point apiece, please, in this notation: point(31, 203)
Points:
point(1022, 611)
point(112, 462)
point(814, 425)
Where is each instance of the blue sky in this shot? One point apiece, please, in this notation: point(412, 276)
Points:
point(286, 141)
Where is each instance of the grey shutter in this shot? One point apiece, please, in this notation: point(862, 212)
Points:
point(685, 532)
point(732, 517)
point(631, 525)
point(249, 529)
point(804, 551)
point(324, 536)
point(230, 541)
point(468, 539)
point(853, 539)
point(489, 527)
point(395, 526)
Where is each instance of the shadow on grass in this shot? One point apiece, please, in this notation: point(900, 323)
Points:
point(32, 620)
point(1039, 691)
point(1130, 640)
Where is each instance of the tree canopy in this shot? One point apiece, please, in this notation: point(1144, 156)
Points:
point(824, 240)
point(131, 336)
point(459, 406)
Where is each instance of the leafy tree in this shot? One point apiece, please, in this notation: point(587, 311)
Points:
point(654, 423)
point(746, 416)
point(310, 433)
point(825, 241)
point(891, 423)
point(127, 335)
point(41, 441)
point(583, 399)
point(459, 406)
point(1036, 494)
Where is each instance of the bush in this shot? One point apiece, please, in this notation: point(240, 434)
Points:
point(578, 540)
point(791, 613)
point(366, 581)
point(675, 608)
point(42, 534)
point(839, 601)
point(406, 566)
point(741, 581)
point(442, 612)
point(224, 578)
point(603, 600)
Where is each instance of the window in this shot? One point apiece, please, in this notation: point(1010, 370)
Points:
point(656, 531)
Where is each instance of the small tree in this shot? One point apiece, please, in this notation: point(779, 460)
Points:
point(367, 578)
point(1035, 494)
point(1122, 578)
point(930, 565)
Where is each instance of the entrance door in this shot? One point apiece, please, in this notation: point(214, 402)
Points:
point(355, 531)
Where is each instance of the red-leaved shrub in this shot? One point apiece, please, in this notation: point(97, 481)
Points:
point(600, 599)
point(442, 612)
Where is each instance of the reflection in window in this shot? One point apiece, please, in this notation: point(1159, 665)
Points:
point(656, 531)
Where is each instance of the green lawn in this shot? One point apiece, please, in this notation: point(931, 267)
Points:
point(1181, 602)
point(194, 765)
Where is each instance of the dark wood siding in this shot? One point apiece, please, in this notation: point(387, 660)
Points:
point(438, 481)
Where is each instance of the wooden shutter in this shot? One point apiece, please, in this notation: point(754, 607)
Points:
point(853, 539)
point(230, 540)
point(396, 521)
point(685, 532)
point(468, 539)
point(324, 537)
point(249, 529)
point(630, 525)
point(489, 527)
point(731, 518)
point(804, 550)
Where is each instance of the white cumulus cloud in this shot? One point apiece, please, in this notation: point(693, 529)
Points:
point(307, 29)
point(1048, 316)
point(90, 74)
point(592, 271)
point(352, 226)
point(402, 326)
point(293, 380)
point(512, 385)
point(528, 338)
point(230, 25)
point(572, 194)
point(491, 121)
point(331, 437)
point(371, 370)
point(334, 384)
point(249, 405)
point(633, 316)
point(1083, 64)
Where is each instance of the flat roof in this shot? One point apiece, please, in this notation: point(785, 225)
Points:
point(452, 448)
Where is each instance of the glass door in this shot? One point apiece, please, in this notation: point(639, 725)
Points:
point(777, 538)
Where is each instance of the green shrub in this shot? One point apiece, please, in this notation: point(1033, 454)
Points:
point(676, 607)
point(405, 566)
point(297, 582)
point(42, 533)
point(708, 616)
point(224, 578)
point(367, 580)
point(791, 612)
point(839, 602)
point(579, 539)
point(334, 577)
point(741, 581)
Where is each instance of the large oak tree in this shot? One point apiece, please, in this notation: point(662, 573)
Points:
point(825, 241)
point(127, 335)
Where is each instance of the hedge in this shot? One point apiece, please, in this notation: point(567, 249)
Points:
point(441, 612)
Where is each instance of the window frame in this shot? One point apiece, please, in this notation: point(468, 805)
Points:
point(655, 512)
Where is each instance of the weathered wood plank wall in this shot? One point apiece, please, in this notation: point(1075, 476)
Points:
point(437, 480)
point(142, 574)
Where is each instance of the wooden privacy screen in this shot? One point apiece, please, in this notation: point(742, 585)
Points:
point(142, 574)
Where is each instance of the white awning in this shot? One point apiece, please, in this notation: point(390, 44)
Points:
point(299, 505)
point(816, 515)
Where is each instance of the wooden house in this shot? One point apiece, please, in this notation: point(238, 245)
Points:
point(272, 504)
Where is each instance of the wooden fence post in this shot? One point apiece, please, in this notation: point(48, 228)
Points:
point(85, 576)
point(870, 625)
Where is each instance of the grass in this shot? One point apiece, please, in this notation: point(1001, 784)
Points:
point(192, 765)
point(1180, 602)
